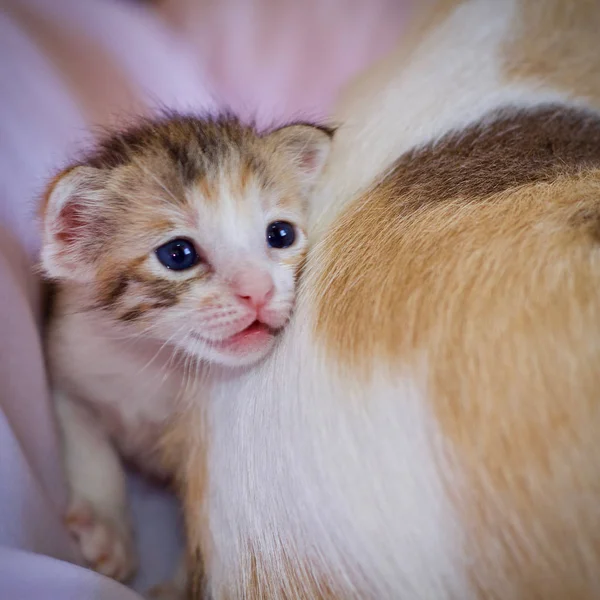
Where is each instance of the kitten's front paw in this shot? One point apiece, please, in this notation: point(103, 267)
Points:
point(105, 546)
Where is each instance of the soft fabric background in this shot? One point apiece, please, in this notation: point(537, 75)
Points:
point(68, 67)
point(284, 58)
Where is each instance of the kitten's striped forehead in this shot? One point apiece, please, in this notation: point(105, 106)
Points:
point(195, 146)
point(180, 158)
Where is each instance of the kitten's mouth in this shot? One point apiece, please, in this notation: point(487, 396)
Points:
point(255, 337)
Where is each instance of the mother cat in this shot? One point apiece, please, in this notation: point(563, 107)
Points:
point(428, 427)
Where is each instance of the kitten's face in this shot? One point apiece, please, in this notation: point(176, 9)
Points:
point(195, 242)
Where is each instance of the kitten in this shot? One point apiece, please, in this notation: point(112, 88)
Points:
point(174, 244)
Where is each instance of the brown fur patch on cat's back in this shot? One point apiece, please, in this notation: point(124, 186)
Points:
point(505, 151)
point(480, 255)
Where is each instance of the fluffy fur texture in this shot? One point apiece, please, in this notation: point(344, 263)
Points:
point(127, 336)
point(427, 426)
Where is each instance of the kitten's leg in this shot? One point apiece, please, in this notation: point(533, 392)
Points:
point(97, 516)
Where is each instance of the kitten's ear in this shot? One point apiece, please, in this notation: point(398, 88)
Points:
point(306, 146)
point(71, 222)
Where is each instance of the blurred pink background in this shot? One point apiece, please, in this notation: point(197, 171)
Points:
point(68, 68)
point(285, 57)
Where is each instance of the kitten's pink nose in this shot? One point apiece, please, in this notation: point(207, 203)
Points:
point(254, 286)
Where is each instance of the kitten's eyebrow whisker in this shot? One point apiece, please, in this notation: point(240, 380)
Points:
point(156, 180)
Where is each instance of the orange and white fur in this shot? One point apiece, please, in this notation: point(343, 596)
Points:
point(428, 426)
point(161, 247)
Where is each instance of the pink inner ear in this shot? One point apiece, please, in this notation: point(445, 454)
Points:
point(71, 222)
point(309, 160)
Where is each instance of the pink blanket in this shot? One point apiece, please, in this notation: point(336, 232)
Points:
point(67, 66)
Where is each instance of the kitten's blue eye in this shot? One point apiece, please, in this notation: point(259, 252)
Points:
point(178, 254)
point(280, 234)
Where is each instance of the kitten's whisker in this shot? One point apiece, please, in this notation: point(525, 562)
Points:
point(131, 337)
point(163, 345)
point(182, 392)
point(165, 369)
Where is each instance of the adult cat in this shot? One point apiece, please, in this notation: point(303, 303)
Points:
point(427, 427)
